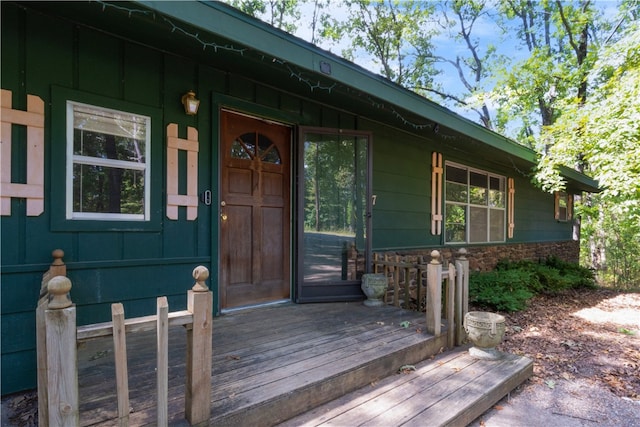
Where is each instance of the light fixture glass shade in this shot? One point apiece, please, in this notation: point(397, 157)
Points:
point(191, 103)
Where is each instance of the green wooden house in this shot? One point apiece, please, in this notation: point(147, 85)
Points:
point(295, 167)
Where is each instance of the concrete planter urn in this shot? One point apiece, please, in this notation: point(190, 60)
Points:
point(485, 331)
point(374, 286)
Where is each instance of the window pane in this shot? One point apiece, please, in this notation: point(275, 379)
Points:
point(478, 179)
point(272, 156)
point(238, 151)
point(478, 224)
point(496, 192)
point(455, 174)
point(496, 183)
point(477, 196)
point(455, 223)
point(267, 151)
point(563, 213)
point(249, 140)
point(496, 198)
point(478, 188)
point(99, 120)
point(102, 189)
point(456, 192)
point(496, 221)
point(106, 146)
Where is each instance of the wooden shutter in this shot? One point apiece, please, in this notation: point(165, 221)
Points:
point(174, 199)
point(33, 119)
point(510, 208)
point(436, 193)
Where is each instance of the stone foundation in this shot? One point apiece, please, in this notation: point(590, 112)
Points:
point(485, 257)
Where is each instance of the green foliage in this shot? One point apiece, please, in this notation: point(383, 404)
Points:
point(512, 284)
point(394, 34)
point(507, 290)
point(604, 133)
point(283, 14)
point(552, 275)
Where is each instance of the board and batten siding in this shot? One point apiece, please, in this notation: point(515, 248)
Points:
point(46, 56)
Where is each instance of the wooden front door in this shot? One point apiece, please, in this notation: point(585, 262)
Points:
point(254, 211)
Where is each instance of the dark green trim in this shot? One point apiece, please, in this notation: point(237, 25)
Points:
point(250, 108)
point(59, 221)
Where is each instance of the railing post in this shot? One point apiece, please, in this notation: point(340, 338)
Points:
point(434, 294)
point(57, 268)
point(450, 306)
point(162, 371)
point(62, 369)
point(462, 293)
point(199, 340)
point(120, 358)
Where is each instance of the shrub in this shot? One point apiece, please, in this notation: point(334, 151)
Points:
point(513, 283)
point(501, 290)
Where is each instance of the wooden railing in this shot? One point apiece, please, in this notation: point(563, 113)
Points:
point(57, 338)
point(443, 289)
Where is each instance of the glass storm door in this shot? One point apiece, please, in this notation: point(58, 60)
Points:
point(333, 215)
point(254, 211)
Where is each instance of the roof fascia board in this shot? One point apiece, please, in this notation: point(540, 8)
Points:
point(585, 182)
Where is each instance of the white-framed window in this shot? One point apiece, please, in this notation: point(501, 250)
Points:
point(563, 206)
point(475, 205)
point(108, 173)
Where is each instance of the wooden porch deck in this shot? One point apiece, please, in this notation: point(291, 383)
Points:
point(272, 363)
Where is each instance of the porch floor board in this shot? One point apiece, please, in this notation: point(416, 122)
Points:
point(269, 363)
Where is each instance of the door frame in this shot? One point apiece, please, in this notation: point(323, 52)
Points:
point(220, 102)
point(344, 290)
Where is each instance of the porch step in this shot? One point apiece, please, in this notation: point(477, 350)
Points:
point(451, 390)
point(321, 353)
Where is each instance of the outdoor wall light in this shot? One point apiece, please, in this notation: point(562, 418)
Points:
point(191, 103)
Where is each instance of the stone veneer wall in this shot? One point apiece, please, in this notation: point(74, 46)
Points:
point(485, 258)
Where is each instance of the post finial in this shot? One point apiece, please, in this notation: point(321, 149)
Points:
point(435, 257)
point(57, 255)
point(462, 253)
point(58, 288)
point(200, 274)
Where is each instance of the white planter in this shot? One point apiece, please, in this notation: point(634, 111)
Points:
point(485, 331)
point(374, 286)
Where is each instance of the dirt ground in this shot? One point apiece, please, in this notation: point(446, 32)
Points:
point(586, 351)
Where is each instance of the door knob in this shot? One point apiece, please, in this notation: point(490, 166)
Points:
point(223, 217)
point(223, 203)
